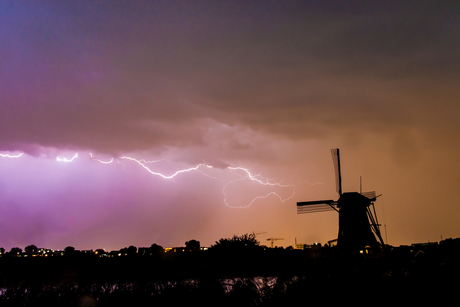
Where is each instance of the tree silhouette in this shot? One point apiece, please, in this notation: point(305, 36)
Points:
point(192, 245)
point(237, 243)
point(31, 250)
point(132, 250)
point(156, 250)
point(15, 251)
point(69, 251)
point(100, 252)
point(124, 251)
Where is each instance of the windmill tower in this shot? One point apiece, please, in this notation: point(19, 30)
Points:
point(358, 225)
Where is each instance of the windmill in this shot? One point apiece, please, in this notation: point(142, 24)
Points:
point(358, 225)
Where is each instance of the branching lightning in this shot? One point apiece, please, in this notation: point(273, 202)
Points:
point(241, 172)
point(160, 174)
point(263, 181)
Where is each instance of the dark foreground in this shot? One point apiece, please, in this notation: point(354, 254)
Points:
point(265, 278)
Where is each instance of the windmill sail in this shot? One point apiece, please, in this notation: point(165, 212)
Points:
point(316, 206)
point(338, 174)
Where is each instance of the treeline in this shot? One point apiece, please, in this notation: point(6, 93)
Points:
point(231, 257)
point(34, 251)
point(248, 241)
point(233, 271)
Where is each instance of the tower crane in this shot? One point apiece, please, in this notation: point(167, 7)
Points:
point(272, 239)
point(259, 233)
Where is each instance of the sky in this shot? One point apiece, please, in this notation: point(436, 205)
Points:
point(139, 122)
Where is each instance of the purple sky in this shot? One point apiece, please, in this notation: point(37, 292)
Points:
point(259, 90)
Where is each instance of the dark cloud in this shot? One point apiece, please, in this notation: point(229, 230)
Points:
point(111, 78)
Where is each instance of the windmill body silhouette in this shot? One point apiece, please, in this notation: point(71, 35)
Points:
point(358, 225)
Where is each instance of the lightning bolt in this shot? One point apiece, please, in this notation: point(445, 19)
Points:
point(265, 181)
point(11, 156)
point(262, 181)
point(100, 161)
point(164, 176)
point(67, 160)
point(241, 172)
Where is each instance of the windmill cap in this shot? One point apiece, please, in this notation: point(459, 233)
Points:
point(353, 199)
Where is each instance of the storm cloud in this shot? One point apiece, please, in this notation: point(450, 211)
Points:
point(266, 84)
